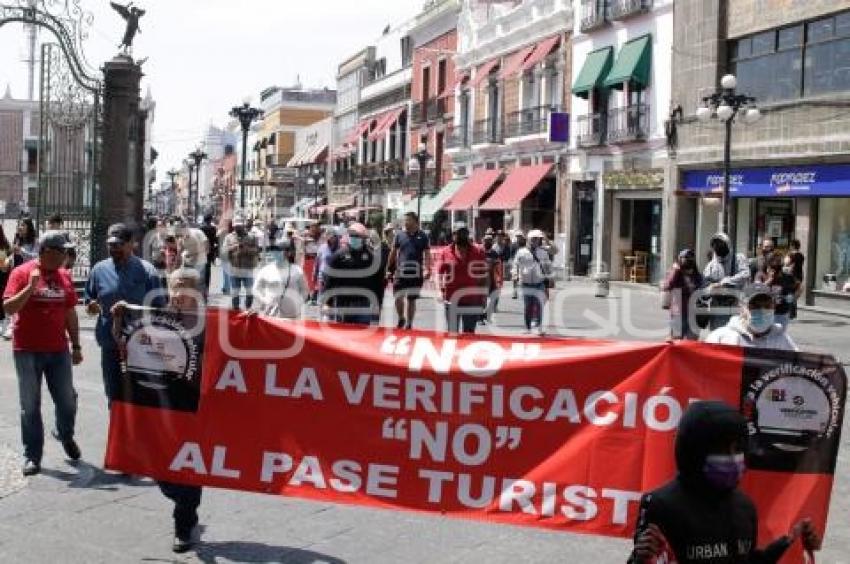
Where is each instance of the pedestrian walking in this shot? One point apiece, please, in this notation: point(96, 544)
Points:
point(280, 288)
point(123, 277)
point(755, 325)
point(533, 273)
point(41, 295)
point(758, 265)
point(312, 242)
point(381, 247)
point(243, 255)
point(6, 262)
point(683, 281)
point(725, 278)
point(224, 229)
point(701, 511)
point(783, 286)
point(323, 260)
point(517, 244)
point(495, 276)
point(462, 276)
point(409, 266)
point(353, 279)
point(25, 244)
point(211, 233)
point(795, 261)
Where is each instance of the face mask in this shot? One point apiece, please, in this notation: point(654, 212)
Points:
point(788, 269)
point(724, 471)
point(356, 243)
point(761, 320)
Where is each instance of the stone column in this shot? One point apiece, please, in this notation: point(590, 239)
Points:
point(121, 184)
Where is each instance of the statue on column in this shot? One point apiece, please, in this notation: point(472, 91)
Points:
point(131, 15)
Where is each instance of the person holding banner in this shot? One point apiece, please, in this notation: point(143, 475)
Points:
point(701, 516)
point(756, 325)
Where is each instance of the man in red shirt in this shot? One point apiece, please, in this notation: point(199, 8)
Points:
point(41, 295)
point(463, 281)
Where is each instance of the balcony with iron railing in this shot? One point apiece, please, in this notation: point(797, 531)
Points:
point(622, 9)
point(343, 177)
point(590, 130)
point(529, 121)
point(628, 123)
point(594, 14)
point(427, 111)
point(457, 136)
point(487, 131)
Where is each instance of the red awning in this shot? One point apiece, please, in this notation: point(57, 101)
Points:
point(473, 189)
point(515, 62)
point(355, 134)
point(519, 183)
point(541, 52)
point(385, 122)
point(449, 90)
point(483, 72)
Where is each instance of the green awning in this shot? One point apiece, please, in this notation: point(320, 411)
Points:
point(595, 69)
point(432, 204)
point(632, 64)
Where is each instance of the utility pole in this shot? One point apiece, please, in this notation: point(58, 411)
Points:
point(32, 36)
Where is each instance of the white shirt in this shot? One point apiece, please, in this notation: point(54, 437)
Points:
point(280, 290)
point(531, 271)
point(195, 246)
point(737, 334)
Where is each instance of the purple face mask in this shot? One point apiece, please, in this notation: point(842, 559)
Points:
point(724, 471)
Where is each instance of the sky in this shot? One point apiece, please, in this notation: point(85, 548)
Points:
point(205, 56)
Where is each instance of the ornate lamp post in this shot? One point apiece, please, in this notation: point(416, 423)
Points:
point(316, 179)
point(172, 174)
point(190, 166)
point(246, 116)
point(725, 104)
point(420, 160)
point(197, 157)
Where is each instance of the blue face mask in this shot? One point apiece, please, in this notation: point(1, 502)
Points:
point(724, 471)
point(356, 243)
point(761, 320)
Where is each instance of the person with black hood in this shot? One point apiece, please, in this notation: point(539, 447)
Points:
point(701, 516)
point(724, 277)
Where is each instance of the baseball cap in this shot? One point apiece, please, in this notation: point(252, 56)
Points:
point(458, 225)
point(389, 227)
point(535, 234)
point(118, 233)
point(53, 239)
point(755, 290)
point(358, 229)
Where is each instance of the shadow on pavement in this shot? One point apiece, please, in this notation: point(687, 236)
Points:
point(89, 476)
point(212, 552)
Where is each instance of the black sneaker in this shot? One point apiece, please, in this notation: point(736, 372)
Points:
point(31, 468)
point(72, 450)
point(182, 544)
point(402, 324)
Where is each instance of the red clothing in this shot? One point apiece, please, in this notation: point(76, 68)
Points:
point(459, 273)
point(40, 325)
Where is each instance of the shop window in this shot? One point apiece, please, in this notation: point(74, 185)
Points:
point(828, 67)
point(832, 264)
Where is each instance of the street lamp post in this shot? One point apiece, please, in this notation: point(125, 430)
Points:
point(725, 104)
point(316, 180)
point(190, 164)
point(246, 116)
point(197, 157)
point(172, 174)
point(421, 159)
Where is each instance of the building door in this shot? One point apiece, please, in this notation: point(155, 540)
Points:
point(646, 234)
point(585, 211)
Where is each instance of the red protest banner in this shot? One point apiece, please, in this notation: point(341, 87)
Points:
point(558, 434)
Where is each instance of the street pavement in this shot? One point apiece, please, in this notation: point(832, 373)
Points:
point(78, 513)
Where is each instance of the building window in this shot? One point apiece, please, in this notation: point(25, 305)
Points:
point(807, 59)
point(832, 263)
point(441, 76)
point(529, 91)
point(406, 51)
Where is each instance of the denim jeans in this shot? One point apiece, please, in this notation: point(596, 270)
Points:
point(238, 282)
point(56, 369)
point(186, 501)
point(533, 297)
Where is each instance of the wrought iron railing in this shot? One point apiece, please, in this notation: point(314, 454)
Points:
point(629, 123)
point(622, 9)
point(529, 121)
point(487, 131)
point(593, 14)
point(590, 130)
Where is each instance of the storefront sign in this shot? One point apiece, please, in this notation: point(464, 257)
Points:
point(638, 179)
point(812, 180)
